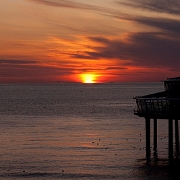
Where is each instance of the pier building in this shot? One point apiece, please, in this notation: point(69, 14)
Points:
point(161, 105)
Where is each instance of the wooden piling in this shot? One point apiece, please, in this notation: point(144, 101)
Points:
point(155, 134)
point(177, 137)
point(170, 138)
point(147, 137)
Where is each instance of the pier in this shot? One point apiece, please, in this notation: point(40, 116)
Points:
point(161, 105)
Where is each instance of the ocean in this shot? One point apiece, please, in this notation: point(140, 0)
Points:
point(79, 131)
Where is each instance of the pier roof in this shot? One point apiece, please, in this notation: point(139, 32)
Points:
point(173, 79)
point(163, 105)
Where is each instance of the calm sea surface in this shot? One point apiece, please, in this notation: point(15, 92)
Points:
point(78, 131)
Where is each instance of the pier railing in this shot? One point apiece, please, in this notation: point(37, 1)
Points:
point(161, 107)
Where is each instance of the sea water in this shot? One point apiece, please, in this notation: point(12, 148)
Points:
point(78, 131)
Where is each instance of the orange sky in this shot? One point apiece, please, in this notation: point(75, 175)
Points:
point(110, 40)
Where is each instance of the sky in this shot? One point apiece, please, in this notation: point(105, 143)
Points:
point(50, 41)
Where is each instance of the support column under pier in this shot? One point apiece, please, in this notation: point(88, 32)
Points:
point(155, 134)
point(147, 137)
point(170, 138)
point(177, 137)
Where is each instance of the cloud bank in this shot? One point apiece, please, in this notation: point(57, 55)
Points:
point(139, 49)
point(163, 6)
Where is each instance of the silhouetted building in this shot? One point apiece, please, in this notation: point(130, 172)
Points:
point(161, 105)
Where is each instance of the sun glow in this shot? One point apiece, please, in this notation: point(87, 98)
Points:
point(88, 78)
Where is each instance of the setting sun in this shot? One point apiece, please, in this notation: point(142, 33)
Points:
point(88, 78)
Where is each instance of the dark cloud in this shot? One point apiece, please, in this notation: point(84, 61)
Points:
point(65, 3)
point(23, 68)
point(116, 68)
point(164, 24)
point(82, 6)
point(173, 26)
point(154, 50)
point(18, 62)
point(165, 6)
point(142, 49)
point(100, 40)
